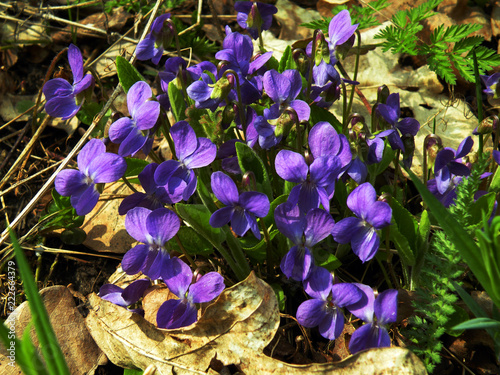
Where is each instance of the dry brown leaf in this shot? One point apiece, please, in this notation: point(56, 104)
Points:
point(235, 330)
point(81, 352)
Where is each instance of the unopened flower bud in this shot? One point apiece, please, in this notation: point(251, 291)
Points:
point(254, 19)
point(343, 49)
point(382, 94)
point(487, 126)
point(222, 87)
point(228, 115)
point(322, 52)
point(409, 144)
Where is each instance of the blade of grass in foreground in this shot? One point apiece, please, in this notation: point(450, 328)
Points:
point(56, 364)
point(465, 244)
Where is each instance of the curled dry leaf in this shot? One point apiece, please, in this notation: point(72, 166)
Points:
point(235, 330)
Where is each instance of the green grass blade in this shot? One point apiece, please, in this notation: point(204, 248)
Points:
point(51, 350)
point(468, 249)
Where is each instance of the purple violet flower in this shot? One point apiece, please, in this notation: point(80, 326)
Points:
point(323, 309)
point(241, 208)
point(304, 231)
point(154, 197)
point(254, 17)
point(63, 99)
point(391, 112)
point(376, 312)
point(160, 37)
point(153, 229)
point(492, 86)
point(361, 231)
point(449, 163)
point(283, 89)
point(182, 312)
point(135, 134)
point(96, 166)
point(177, 176)
point(316, 181)
point(125, 297)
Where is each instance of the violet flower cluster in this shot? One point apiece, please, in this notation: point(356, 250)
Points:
point(307, 190)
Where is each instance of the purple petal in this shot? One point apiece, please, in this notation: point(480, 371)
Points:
point(369, 336)
point(277, 86)
point(311, 312)
point(319, 226)
point(464, 147)
point(156, 262)
point(293, 76)
point(323, 140)
point(178, 276)
point(344, 294)
point(332, 325)
point(199, 91)
point(239, 222)
point(361, 199)
point(165, 171)
point(134, 291)
point(379, 215)
point(252, 222)
point(224, 188)
point(135, 259)
point(408, 125)
point(365, 243)
point(57, 87)
point(162, 224)
point(386, 306)
point(87, 154)
point(120, 129)
point(364, 308)
point(147, 114)
point(458, 169)
point(190, 187)
point(290, 221)
point(204, 154)
point(443, 180)
point(134, 142)
point(207, 288)
point(324, 170)
point(176, 313)
point(259, 62)
point(137, 95)
point(145, 48)
point(291, 166)
point(296, 264)
point(146, 177)
point(221, 217)
point(85, 83)
point(135, 224)
point(85, 201)
point(308, 198)
point(302, 108)
point(106, 168)
point(115, 298)
point(319, 283)
point(344, 230)
point(184, 139)
point(255, 202)
point(340, 28)
point(64, 107)
point(75, 62)
point(69, 182)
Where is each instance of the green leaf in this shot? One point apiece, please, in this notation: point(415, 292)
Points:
point(287, 61)
point(482, 208)
point(135, 166)
point(198, 217)
point(406, 223)
point(129, 371)
point(177, 102)
point(403, 247)
point(320, 114)
point(495, 182)
point(479, 323)
point(476, 309)
point(257, 251)
point(127, 73)
point(280, 295)
point(387, 158)
point(192, 242)
point(458, 317)
point(248, 160)
point(325, 259)
point(73, 236)
point(51, 350)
